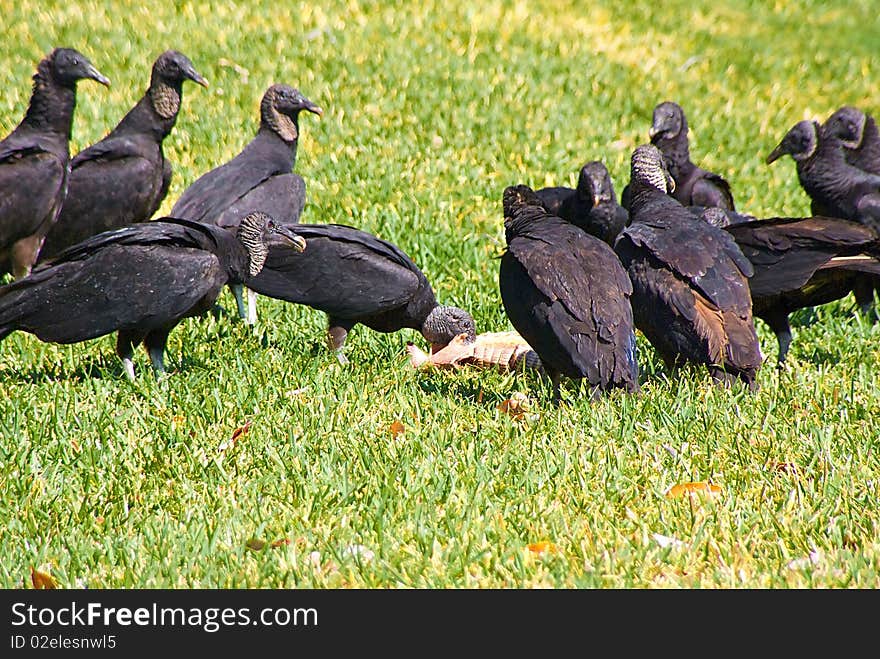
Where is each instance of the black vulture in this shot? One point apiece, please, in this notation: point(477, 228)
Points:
point(567, 295)
point(694, 186)
point(34, 159)
point(139, 281)
point(591, 206)
point(124, 178)
point(690, 280)
point(355, 277)
point(260, 177)
point(804, 262)
point(859, 135)
point(835, 187)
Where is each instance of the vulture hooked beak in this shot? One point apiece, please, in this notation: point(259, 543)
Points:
point(777, 153)
point(311, 107)
point(94, 74)
point(296, 241)
point(195, 76)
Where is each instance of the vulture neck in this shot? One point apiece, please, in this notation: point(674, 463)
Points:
point(52, 104)
point(677, 153)
point(155, 113)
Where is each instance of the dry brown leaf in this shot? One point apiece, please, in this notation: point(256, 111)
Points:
point(788, 467)
point(255, 544)
point(677, 491)
point(396, 428)
point(241, 430)
point(42, 580)
point(280, 543)
point(517, 406)
point(543, 547)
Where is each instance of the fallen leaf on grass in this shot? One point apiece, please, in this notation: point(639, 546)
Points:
point(42, 580)
point(517, 406)
point(256, 544)
point(677, 491)
point(227, 444)
point(543, 547)
point(238, 432)
point(396, 429)
point(787, 467)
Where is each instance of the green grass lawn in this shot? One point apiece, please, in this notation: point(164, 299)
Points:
point(431, 109)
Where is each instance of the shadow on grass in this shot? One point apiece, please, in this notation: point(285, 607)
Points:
point(468, 387)
point(100, 367)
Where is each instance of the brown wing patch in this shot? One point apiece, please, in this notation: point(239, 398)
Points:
point(709, 324)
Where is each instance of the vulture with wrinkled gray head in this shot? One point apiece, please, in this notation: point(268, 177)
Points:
point(139, 281)
point(259, 178)
point(691, 295)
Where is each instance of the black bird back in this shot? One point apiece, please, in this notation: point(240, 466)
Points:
point(349, 274)
point(835, 187)
point(690, 281)
point(804, 262)
point(109, 282)
point(567, 295)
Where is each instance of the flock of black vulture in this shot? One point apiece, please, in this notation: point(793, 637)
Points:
point(674, 259)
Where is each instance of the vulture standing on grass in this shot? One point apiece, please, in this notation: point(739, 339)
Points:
point(591, 206)
point(124, 178)
point(567, 295)
point(835, 187)
point(691, 295)
point(260, 177)
point(804, 262)
point(859, 136)
point(139, 281)
point(34, 159)
point(694, 186)
point(355, 277)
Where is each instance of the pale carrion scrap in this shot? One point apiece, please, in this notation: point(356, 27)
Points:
point(507, 351)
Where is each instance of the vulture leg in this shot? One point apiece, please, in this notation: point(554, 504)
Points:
point(863, 290)
point(155, 344)
point(251, 307)
point(778, 322)
point(125, 344)
point(238, 294)
point(337, 331)
point(556, 379)
point(720, 376)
